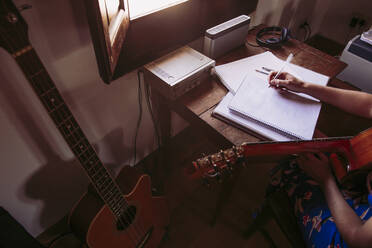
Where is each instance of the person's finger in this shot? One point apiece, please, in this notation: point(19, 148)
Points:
point(309, 156)
point(369, 181)
point(300, 160)
point(272, 75)
point(318, 156)
point(283, 75)
point(369, 176)
point(277, 82)
point(322, 156)
point(273, 82)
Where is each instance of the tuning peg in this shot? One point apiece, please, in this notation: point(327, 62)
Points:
point(24, 7)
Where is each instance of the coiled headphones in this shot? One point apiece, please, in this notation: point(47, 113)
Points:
point(272, 41)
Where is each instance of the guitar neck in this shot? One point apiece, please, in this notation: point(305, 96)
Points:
point(223, 160)
point(62, 117)
point(339, 145)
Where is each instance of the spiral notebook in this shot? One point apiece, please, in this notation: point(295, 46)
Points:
point(246, 124)
point(284, 112)
point(232, 74)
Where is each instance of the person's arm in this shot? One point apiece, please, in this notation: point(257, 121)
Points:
point(352, 229)
point(355, 102)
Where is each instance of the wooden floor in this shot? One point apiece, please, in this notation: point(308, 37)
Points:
point(192, 204)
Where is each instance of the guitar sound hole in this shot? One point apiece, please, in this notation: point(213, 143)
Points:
point(126, 218)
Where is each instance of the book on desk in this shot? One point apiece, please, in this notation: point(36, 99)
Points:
point(251, 105)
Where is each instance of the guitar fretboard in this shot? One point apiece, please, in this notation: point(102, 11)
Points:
point(71, 131)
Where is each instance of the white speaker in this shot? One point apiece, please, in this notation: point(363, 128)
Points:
point(226, 36)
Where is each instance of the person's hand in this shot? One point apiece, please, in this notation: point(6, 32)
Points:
point(316, 165)
point(369, 182)
point(287, 81)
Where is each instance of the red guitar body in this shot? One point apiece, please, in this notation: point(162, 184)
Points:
point(93, 221)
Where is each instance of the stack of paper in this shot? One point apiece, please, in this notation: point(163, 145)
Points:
point(251, 104)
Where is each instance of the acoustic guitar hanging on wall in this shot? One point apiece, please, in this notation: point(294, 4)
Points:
point(104, 217)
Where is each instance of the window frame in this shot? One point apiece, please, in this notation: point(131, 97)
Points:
point(107, 50)
point(151, 36)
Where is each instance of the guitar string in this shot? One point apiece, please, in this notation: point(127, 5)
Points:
point(75, 141)
point(129, 210)
point(9, 43)
point(19, 58)
point(31, 69)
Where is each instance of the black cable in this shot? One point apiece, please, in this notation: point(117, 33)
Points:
point(139, 116)
point(149, 106)
point(250, 44)
point(306, 35)
point(51, 243)
point(308, 31)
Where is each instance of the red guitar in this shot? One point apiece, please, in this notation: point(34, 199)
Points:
point(104, 217)
point(356, 153)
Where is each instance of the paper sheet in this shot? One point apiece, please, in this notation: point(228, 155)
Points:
point(232, 74)
point(283, 111)
point(223, 111)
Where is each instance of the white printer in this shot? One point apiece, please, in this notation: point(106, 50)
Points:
point(358, 56)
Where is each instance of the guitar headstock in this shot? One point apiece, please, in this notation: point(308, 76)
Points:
point(13, 28)
point(217, 165)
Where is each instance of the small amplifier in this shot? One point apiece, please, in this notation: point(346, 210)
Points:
point(226, 36)
point(179, 71)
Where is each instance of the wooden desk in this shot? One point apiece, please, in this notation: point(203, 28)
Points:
point(197, 105)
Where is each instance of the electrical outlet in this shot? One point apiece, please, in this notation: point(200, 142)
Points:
point(353, 22)
point(359, 21)
point(362, 23)
point(304, 24)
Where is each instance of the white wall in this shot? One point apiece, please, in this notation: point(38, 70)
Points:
point(335, 24)
point(330, 18)
point(39, 178)
point(287, 13)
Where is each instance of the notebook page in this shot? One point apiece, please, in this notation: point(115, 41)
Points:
point(223, 111)
point(232, 74)
point(284, 111)
point(307, 76)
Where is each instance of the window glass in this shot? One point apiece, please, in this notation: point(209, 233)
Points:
point(112, 7)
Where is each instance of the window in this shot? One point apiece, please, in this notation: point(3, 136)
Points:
point(138, 8)
point(123, 43)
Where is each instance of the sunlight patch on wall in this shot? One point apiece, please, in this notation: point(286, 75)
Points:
point(138, 8)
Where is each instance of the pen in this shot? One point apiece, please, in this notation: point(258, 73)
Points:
point(288, 60)
point(262, 72)
point(267, 69)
